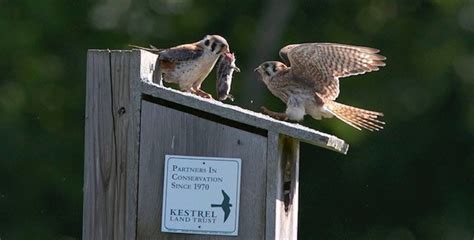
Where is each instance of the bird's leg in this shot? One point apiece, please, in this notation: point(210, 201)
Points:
point(199, 92)
point(203, 94)
point(276, 115)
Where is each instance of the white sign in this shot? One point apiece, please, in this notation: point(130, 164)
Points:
point(201, 195)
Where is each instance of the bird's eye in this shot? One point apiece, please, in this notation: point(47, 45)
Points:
point(213, 46)
point(274, 68)
point(206, 42)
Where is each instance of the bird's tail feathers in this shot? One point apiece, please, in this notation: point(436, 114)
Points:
point(356, 117)
point(151, 49)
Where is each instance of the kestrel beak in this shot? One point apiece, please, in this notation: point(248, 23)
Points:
point(256, 69)
point(226, 50)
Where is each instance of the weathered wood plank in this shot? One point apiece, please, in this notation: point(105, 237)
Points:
point(169, 131)
point(288, 200)
point(274, 185)
point(245, 116)
point(100, 153)
point(112, 143)
point(141, 66)
point(282, 167)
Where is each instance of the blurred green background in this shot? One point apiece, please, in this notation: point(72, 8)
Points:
point(413, 180)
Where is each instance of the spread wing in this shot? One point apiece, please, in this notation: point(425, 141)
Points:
point(284, 53)
point(181, 53)
point(225, 205)
point(226, 213)
point(324, 63)
point(226, 198)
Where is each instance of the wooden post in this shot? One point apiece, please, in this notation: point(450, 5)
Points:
point(131, 123)
point(282, 187)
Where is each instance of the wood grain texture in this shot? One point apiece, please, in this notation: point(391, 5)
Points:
point(169, 131)
point(99, 163)
point(282, 166)
point(290, 153)
point(248, 117)
point(141, 67)
point(111, 142)
point(274, 185)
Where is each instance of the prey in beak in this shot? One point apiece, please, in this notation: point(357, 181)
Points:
point(225, 50)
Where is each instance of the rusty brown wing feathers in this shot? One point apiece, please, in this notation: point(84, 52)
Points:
point(324, 63)
point(181, 53)
point(284, 53)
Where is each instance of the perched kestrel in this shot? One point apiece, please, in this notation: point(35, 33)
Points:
point(189, 64)
point(309, 82)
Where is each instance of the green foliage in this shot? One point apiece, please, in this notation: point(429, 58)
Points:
point(413, 180)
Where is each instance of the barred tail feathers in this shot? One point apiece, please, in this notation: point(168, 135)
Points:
point(356, 117)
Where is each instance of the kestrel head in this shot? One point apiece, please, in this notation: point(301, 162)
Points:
point(215, 44)
point(269, 69)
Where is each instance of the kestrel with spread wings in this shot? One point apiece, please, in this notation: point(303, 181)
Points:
point(308, 81)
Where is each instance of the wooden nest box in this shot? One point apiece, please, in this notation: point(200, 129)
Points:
point(131, 124)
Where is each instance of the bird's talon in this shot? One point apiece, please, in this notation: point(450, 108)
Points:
point(203, 94)
point(275, 115)
point(265, 110)
point(281, 117)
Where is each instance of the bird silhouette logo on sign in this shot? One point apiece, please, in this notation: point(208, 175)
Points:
point(225, 205)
